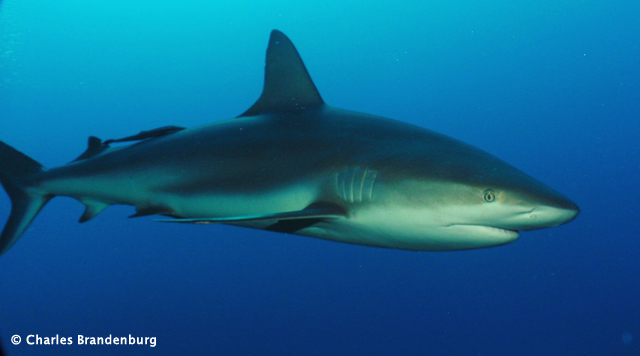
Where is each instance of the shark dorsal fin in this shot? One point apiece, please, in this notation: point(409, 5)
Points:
point(287, 84)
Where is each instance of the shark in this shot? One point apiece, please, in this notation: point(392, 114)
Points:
point(293, 164)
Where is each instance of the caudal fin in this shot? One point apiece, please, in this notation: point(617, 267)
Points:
point(16, 172)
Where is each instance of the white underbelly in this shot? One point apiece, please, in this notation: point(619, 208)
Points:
point(407, 229)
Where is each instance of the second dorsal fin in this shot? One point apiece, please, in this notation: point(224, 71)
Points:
point(287, 84)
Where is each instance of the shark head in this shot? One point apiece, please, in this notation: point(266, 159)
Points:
point(443, 194)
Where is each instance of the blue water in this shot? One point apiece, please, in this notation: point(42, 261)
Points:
point(552, 87)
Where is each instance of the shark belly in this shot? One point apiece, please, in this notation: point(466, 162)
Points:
point(427, 229)
point(407, 230)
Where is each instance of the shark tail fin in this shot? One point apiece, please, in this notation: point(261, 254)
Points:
point(16, 171)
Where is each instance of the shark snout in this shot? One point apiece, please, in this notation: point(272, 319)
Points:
point(544, 216)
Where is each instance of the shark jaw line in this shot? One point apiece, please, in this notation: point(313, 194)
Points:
point(490, 230)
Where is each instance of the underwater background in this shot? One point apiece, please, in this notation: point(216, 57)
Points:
point(552, 87)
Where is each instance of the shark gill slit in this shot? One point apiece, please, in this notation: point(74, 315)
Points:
point(370, 181)
point(355, 184)
point(357, 196)
point(351, 184)
point(345, 183)
point(361, 186)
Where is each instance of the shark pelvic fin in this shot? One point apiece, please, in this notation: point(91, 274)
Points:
point(93, 208)
point(151, 210)
point(314, 211)
point(287, 84)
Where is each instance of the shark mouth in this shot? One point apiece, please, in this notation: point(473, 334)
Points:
point(488, 231)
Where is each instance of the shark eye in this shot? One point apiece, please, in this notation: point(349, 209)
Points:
point(489, 195)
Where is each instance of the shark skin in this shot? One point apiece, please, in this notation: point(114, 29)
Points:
point(293, 164)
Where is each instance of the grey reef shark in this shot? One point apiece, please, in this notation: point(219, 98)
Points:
point(292, 164)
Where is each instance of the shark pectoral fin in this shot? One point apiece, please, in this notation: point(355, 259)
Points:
point(93, 208)
point(151, 210)
point(291, 226)
point(316, 212)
